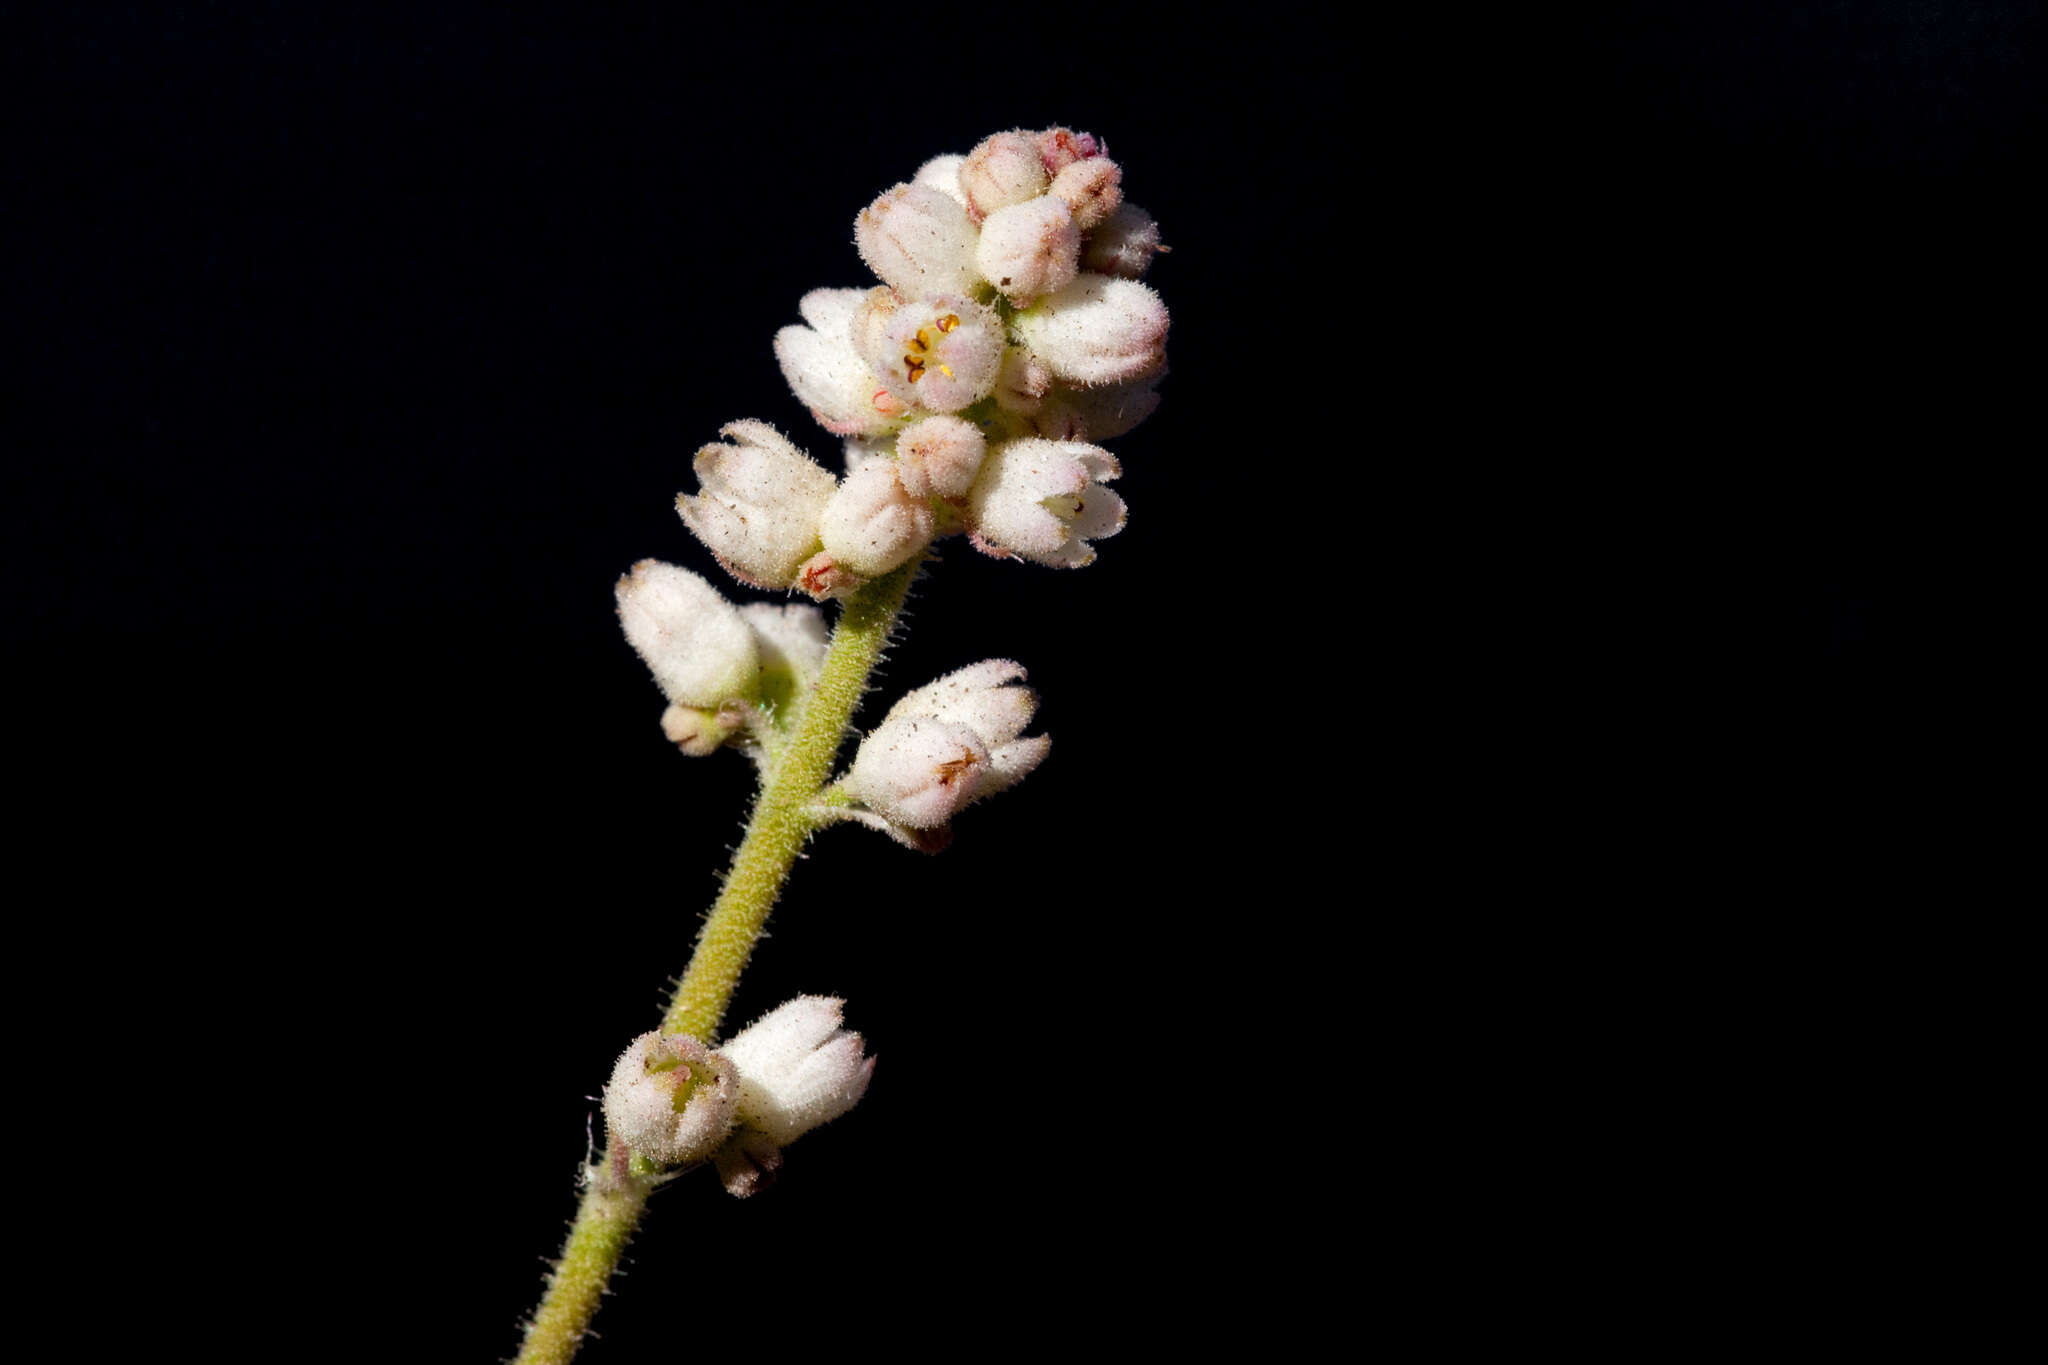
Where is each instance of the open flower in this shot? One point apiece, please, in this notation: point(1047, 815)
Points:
point(671, 1099)
point(797, 1069)
point(1045, 501)
point(824, 370)
point(940, 353)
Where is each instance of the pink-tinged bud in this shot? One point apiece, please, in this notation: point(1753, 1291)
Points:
point(671, 1099)
point(918, 771)
point(696, 643)
point(1060, 148)
point(822, 576)
point(696, 730)
point(1029, 249)
point(982, 698)
point(1023, 382)
point(1002, 170)
point(798, 1069)
point(1098, 414)
point(1091, 188)
point(1097, 330)
point(1123, 245)
point(824, 370)
point(1045, 501)
point(872, 525)
point(942, 173)
point(941, 353)
point(939, 457)
point(918, 241)
point(758, 504)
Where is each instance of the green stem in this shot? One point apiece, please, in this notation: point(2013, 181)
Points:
point(616, 1192)
point(613, 1199)
point(781, 819)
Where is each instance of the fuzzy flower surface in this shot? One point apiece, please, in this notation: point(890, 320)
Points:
point(671, 1099)
point(797, 1069)
point(946, 745)
point(1009, 302)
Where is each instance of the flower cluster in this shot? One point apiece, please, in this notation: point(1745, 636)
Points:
point(678, 1103)
point(1009, 336)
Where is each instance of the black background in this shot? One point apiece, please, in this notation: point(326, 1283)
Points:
point(364, 353)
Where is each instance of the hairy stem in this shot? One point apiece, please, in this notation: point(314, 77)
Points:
point(615, 1193)
point(781, 823)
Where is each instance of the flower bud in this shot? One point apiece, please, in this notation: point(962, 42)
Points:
point(1091, 188)
point(1002, 170)
point(942, 173)
point(1060, 148)
point(940, 353)
point(918, 241)
point(671, 1099)
point(824, 370)
point(822, 576)
point(1044, 501)
point(797, 1069)
point(758, 505)
point(917, 771)
point(1023, 382)
point(1029, 249)
point(696, 643)
point(1097, 330)
point(1097, 414)
point(1124, 244)
point(697, 730)
point(981, 698)
point(939, 457)
point(872, 525)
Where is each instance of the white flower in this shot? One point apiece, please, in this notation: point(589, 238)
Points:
point(1002, 170)
point(797, 1069)
point(1029, 249)
point(1097, 330)
point(872, 525)
point(759, 504)
point(1123, 245)
point(941, 353)
point(1044, 500)
point(671, 1099)
point(827, 374)
point(947, 744)
point(918, 241)
point(942, 173)
point(917, 771)
point(698, 645)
